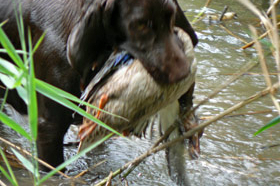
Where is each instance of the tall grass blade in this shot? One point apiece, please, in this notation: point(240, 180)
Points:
point(31, 87)
point(50, 92)
point(12, 178)
point(12, 124)
point(26, 163)
point(32, 107)
point(69, 96)
point(39, 42)
point(20, 27)
point(6, 43)
point(74, 158)
point(4, 172)
point(4, 100)
point(2, 50)
point(273, 122)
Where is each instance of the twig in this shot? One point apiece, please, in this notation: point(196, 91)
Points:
point(29, 154)
point(235, 107)
point(239, 114)
point(191, 132)
point(261, 56)
point(2, 183)
point(264, 67)
point(251, 74)
point(247, 67)
point(266, 22)
point(170, 129)
point(197, 17)
point(90, 168)
point(231, 33)
point(261, 37)
point(223, 13)
point(109, 179)
point(240, 158)
point(275, 3)
point(207, 3)
point(2, 87)
point(12, 159)
point(275, 41)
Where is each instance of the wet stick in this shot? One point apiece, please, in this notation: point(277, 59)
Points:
point(274, 4)
point(246, 68)
point(191, 132)
point(239, 114)
point(223, 13)
point(232, 34)
point(264, 67)
point(250, 44)
point(29, 154)
point(89, 169)
point(199, 16)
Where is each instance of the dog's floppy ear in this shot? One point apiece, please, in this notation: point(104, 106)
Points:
point(88, 41)
point(182, 22)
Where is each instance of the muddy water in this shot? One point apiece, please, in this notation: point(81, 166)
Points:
point(230, 155)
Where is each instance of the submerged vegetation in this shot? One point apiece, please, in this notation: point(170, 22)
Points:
point(19, 76)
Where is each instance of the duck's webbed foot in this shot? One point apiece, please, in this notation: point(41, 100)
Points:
point(194, 141)
point(87, 128)
point(190, 121)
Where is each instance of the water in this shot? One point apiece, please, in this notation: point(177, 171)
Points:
point(230, 154)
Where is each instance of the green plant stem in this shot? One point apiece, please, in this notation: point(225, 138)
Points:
point(4, 100)
point(13, 178)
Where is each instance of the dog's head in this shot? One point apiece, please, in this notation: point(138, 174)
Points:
point(142, 27)
point(148, 25)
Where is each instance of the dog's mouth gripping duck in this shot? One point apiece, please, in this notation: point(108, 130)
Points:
point(129, 91)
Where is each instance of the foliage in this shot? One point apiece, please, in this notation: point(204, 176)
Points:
point(19, 75)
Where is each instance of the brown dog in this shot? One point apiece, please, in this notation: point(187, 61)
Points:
point(80, 35)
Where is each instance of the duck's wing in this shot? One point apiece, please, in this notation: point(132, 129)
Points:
point(115, 61)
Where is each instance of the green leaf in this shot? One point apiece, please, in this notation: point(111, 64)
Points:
point(31, 87)
point(52, 93)
point(69, 96)
point(2, 50)
point(12, 124)
point(22, 92)
point(74, 158)
point(11, 178)
point(6, 43)
point(4, 99)
point(8, 81)
point(8, 68)
point(11, 75)
point(39, 42)
point(273, 122)
point(26, 163)
point(7, 176)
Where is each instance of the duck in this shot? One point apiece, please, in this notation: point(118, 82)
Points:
point(123, 87)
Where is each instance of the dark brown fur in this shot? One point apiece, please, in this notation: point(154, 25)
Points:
point(81, 34)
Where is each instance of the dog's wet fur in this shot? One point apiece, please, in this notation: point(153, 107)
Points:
point(80, 36)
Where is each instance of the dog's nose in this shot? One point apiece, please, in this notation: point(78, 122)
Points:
point(179, 67)
point(175, 63)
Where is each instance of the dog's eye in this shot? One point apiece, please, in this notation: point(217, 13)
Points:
point(141, 26)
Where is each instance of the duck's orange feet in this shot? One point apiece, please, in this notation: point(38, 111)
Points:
point(87, 128)
point(102, 102)
point(194, 144)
